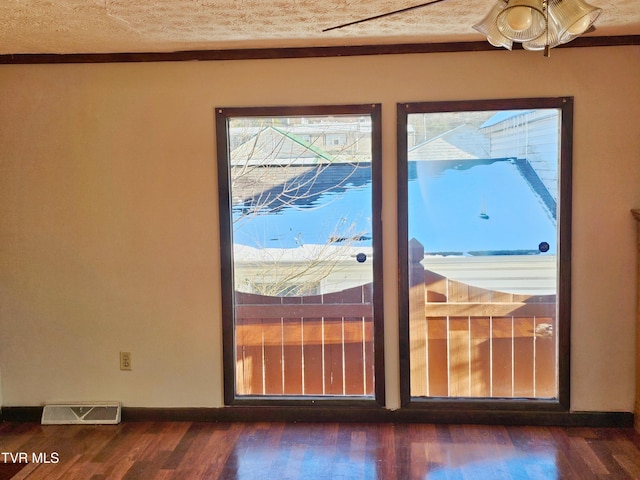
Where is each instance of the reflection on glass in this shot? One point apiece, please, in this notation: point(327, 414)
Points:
point(482, 221)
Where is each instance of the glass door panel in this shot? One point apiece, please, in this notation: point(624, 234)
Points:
point(302, 242)
point(481, 203)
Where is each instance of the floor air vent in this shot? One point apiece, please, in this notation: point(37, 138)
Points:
point(81, 413)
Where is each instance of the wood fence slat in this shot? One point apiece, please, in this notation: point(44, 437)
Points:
point(480, 338)
point(355, 357)
point(312, 345)
point(502, 358)
point(523, 365)
point(273, 384)
point(417, 328)
point(369, 365)
point(436, 287)
point(333, 356)
point(545, 361)
point(437, 357)
point(459, 357)
point(292, 359)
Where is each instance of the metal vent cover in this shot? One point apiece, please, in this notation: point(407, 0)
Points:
point(81, 413)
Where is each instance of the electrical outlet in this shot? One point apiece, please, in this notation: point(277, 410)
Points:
point(125, 360)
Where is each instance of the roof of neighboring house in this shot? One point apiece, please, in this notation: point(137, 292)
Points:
point(485, 207)
point(531, 115)
point(502, 116)
point(465, 142)
point(313, 148)
point(271, 144)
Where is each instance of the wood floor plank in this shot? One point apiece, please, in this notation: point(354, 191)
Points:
point(295, 451)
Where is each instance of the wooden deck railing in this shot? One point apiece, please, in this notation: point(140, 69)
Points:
point(464, 342)
point(313, 345)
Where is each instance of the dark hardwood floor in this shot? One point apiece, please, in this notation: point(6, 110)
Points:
point(190, 450)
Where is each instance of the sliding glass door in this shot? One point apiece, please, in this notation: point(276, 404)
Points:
point(484, 191)
point(300, 209)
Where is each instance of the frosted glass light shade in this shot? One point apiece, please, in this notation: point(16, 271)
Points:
point(574, 17)
point(489, 28)
point(537, 24)
point(522, 20)
point(551, 37)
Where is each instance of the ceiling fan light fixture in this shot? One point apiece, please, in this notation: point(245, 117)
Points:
point(489, 28)
point(574, 17)
point(523, 20)
point(537, 24)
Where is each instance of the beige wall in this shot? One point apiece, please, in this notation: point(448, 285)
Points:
point(108, 212)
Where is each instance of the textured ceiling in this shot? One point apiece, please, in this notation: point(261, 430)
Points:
point(110, 26)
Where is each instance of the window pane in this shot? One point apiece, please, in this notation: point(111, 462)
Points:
point(482, 202)
point(302, 254)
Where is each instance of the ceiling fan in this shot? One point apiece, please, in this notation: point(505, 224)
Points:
point(536, 24)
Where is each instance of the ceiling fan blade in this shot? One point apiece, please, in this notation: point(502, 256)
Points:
point(382, 15)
